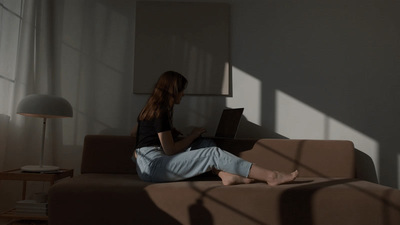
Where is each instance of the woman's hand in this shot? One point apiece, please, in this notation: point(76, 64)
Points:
point(171, 147)
point(198, 131)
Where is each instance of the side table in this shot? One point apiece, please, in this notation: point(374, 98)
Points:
point(17, 174)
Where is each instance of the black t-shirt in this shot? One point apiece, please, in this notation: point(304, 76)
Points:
point(148, 129)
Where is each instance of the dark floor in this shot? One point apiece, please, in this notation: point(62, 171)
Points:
point(22, 222)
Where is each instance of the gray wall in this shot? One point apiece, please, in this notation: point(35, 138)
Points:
point(341, 58)
point(303, 69)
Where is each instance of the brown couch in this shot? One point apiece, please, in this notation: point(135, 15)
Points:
point(327, 192)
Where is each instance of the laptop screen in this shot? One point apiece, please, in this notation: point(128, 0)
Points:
point(229, 123)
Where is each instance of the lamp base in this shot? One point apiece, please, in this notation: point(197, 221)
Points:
point(38, 168)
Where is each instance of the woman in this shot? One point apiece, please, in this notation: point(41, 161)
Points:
point(161, 156)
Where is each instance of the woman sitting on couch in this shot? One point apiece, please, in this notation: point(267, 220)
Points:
point(163, 157)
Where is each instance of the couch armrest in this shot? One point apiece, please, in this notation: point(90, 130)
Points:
point(108, 154)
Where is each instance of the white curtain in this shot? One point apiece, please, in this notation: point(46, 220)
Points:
point(25, 68)
point(80, 50)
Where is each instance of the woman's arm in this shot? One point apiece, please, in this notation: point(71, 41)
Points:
point(171, 147)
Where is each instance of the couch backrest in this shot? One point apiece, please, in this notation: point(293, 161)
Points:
point(322, 158)
point(108, 154)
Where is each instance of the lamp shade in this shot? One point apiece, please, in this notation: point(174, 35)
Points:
point(44, 106)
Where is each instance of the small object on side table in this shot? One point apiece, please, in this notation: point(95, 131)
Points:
point(18, 174)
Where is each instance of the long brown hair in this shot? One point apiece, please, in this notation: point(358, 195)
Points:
point(162, 100)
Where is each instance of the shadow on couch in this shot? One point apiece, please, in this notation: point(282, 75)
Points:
point(365, 168)
point(299, 205)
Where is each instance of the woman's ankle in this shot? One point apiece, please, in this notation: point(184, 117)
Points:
point(232, 179)
point(277, 178)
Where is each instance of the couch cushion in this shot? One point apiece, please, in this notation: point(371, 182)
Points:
point(108, 154)
point(306, 201)
point(123, 199)
point(95, 199)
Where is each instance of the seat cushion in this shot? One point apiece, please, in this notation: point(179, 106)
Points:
point(124, 199)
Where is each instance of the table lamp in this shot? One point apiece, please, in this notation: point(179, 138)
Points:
point(43, 106)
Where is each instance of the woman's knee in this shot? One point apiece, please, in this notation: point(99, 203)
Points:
point(215, 151)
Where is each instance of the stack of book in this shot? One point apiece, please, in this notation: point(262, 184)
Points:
point(31, 207)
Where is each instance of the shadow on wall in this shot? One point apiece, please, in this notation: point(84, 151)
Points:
point(248, 129)
point(94, 55)
point(187, 37)
point(334, 56)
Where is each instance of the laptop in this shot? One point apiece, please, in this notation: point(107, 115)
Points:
point(229, 123)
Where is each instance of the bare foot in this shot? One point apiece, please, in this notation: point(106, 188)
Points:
point(279, 177)
point(232, 179)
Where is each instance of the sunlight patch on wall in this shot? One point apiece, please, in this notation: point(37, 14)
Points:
point(246, 93)
point(338, 131)
point(297, 120)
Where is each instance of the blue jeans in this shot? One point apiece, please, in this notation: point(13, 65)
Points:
point(153, 165)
